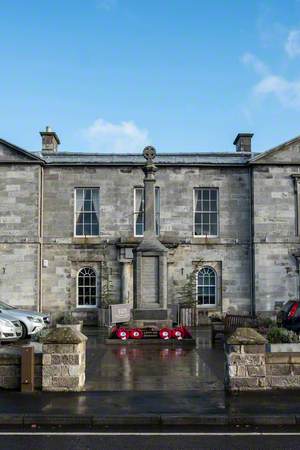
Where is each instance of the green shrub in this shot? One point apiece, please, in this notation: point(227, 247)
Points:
point(277, 335)
point(68, 319)
point(41, 335)
point(266, 322)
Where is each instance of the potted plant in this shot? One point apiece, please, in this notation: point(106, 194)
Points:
point(68, 320)
point(282, 340)
point(107, 290)
point(186, 296)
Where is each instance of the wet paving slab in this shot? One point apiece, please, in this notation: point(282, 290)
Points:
point(153, 368)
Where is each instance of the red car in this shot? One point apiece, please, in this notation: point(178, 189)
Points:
point(289, 315)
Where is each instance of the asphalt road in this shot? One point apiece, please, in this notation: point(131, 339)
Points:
point(148, 441)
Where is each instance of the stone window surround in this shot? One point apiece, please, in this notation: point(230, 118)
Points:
point(136, 211)
point(215, 286)
point(75, 211)
point(201, 236)
point(77, 265)
point(86, 267)
point(217, 267)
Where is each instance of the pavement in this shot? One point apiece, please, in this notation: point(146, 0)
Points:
point(160, 408)
point(151, 387)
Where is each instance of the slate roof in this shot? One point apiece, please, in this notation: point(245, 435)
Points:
point(29, 155)
point(189, 159)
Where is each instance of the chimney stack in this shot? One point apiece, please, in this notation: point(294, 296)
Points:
point(50, 141)
point(243, 142)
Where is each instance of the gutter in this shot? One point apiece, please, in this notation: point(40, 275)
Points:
point(252, 246)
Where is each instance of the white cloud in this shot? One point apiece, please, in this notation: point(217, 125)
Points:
point(107, 137)
point(107, 5)
point(259, 66)
point(285, 91)
point(292, 46)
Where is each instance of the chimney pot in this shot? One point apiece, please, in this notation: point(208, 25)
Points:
point(50, 140)
point(242, 142)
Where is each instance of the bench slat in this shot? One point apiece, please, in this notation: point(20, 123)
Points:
point(231, 323)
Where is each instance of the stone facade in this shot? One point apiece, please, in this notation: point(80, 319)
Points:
point(255, 254)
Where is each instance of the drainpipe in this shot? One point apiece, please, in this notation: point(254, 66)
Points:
point(40, 235)
point(252, 246)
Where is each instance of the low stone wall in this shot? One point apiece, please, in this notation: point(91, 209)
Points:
point(283, 370)
point(59, 362)
point(249, 366)
point(10, 368)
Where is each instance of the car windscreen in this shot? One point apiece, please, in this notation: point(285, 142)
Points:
point(5, 306)
point(287, 306)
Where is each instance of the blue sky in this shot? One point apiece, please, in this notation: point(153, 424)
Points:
point(182, 75)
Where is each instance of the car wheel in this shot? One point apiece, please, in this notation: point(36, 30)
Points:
point(24, 331)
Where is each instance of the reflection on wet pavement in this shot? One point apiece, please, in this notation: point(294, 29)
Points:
point(117, 367)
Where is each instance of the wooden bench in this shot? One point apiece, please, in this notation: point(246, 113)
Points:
point(229, 325)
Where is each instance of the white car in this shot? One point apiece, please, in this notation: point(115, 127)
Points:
point(31, 321)
point(10, 329)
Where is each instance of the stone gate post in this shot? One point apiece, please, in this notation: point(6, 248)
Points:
point(63, 367)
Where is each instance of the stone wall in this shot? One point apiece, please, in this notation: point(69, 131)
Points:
point(275, 238)
point(276, 274)
point(10, 369)
point(66, 254)
point(116, 200)
point(60, 276)
point(19, 274)
point(19, 232)
point(19, 202)
point(250, 367)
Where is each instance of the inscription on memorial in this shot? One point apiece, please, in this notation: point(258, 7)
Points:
point(150, 279)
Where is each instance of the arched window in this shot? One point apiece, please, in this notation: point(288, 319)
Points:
point(207, 287)
point(87, 288)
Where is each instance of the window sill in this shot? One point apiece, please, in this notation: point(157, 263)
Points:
point(86, 236)
point(141, 236)
point(87, 239)
point(86, 308)
point(206, 236)
point(206, 308)
point(205, 239)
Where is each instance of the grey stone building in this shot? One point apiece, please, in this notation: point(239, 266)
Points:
point(69, 224)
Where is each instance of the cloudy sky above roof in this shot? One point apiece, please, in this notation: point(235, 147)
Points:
point(182, 75)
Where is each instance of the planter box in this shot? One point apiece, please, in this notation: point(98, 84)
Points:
point(75, 326)
point(283, 348)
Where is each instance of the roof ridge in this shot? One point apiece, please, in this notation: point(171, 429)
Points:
point(159, 155)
